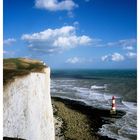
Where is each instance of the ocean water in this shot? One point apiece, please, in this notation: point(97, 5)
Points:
point(96, 88)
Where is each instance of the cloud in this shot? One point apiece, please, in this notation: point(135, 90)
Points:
point(9, 41)
point(113, 57)
point(105, 57)
point(131, 55)
point(75, 60)
point(117, 57)
point(127, 44)
point(55, 5)
point(9, 53)
point(129, 48)
point(56, 40)
point(75, 23)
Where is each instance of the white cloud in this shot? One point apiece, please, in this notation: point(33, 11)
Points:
point(55, 5)
point(129, 48)
point(117, 57)
point(9, 53)
point(131, 55)
point(60, 39)
point(9, 41)
point(127, 44)
point(75, 60)
point(113, 57)
point(75, 23)
point(105, 58)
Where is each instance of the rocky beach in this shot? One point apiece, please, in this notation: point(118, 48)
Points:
point(77, 121)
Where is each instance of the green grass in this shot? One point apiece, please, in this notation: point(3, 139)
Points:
point(20, 66)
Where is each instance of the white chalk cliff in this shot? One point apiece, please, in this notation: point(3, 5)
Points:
point(27, 111)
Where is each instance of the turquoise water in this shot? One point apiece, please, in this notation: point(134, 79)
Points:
point(96, 88)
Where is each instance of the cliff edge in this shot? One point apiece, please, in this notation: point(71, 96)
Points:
point(27, 110)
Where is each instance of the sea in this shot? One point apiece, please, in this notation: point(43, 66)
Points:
point(96, 88)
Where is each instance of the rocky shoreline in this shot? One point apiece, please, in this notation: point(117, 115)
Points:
point(58, 122)
point(77, 121)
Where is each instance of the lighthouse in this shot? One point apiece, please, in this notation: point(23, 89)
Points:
point(113, 108)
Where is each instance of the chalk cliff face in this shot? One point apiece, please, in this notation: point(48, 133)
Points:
point(27, 108)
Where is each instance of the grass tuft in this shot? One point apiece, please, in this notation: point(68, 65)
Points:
point(20, 66)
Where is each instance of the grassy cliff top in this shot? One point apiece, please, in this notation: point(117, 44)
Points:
point(20, 66)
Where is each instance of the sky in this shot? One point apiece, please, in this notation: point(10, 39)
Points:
point(71, 34)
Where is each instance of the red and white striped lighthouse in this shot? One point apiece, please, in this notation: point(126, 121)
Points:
point(113, 108)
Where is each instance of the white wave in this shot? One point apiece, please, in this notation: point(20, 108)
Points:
point(81, 90)
point(124, 128)
point(99, 87)
point(130, 105)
